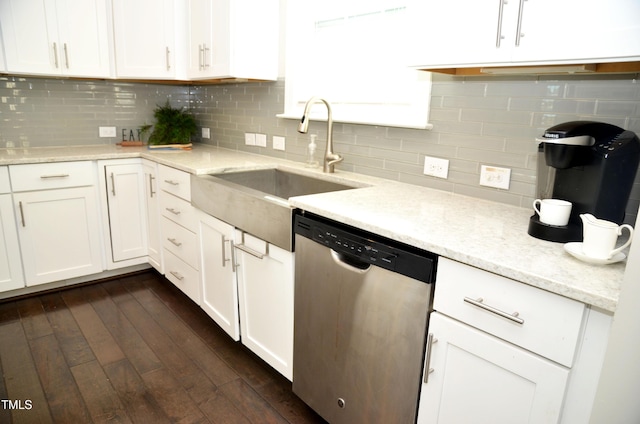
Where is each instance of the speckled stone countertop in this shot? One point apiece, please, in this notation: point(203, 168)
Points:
point(488, 235)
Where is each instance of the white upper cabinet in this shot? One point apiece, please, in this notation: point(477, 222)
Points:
point(56, 37)
point(525, 32)
point(145, 38)
point(232, 39)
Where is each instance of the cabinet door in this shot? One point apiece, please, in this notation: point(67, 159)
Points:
point(11, 277)
point(200, 36)
point(144, 38)
point(219, 284)
point(29, 29)
point(59, 234)
point(451, 33)
point(127, 211)
point(566, 30)
point(478, 378)
point(83, 46)
point(265, 286)
point(154, 234)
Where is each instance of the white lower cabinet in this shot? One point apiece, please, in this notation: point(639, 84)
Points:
point(56, 207)
point(123, 182)
point(154, 241)
point(478, 378)
point(265, 286)
point(503, 352)
point(219, 284)
point(11, 276)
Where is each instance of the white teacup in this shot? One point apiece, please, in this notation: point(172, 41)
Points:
point(553, 211)
point(601, 237)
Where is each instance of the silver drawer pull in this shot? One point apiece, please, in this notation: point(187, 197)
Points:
point(224, 255)
point(479, 303)
point(174, 242)
point(173, 211)
point(46, 177)
point(177, 275)
point(172, 182)
point(250, 251)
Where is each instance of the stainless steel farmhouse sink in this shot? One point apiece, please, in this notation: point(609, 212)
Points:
point(256, 201)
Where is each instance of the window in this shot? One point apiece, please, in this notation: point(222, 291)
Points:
point(354, 55)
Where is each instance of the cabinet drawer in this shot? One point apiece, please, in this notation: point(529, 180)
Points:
point(5, 185)
point(181, 242)
point(182, 276)
point(550, 323)
point(52, 175)
point(178, 210)
point(175, 182)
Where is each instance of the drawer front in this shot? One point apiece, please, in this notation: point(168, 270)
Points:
point(539, 321)
point(175, 182)
point(5, 185)
point(182, 276)
point(44, 176)
point(181, 242)
point(178, 210)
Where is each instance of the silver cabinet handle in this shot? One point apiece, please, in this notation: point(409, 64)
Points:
point(174, 242)
point(21, 213)
point(205, 49)
point(427, 360)
point(249, 251)
point(168, 52)
point(177, 275)
point(499, 36)
point(224, 254)
point(519, 33)
point(174, 183)
point(173, 211)
point(55, 54)
point(479, 303)
point(151, 192)
point(113, 184)
point(200, 55)
point(234, 261)
point(66, 55)
point(45, 177)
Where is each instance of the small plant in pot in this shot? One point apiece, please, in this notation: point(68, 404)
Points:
point(173, 128)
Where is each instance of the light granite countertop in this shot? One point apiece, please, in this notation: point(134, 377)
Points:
point(488, 235)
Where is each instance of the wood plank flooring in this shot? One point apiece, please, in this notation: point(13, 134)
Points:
point(132, 350)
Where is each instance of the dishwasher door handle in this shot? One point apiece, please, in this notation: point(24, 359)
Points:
point(349, 264)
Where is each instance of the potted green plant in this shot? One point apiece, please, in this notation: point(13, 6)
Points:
point(173, 127)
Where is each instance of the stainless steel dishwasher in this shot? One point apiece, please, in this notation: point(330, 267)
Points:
point(361, 310)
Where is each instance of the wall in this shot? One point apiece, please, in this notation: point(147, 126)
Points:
point(476, 121)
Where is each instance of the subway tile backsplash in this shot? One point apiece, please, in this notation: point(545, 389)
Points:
point(476, 120)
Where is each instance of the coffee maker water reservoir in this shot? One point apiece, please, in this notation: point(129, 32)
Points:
point(590, 164)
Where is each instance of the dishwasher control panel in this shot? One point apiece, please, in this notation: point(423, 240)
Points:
point(365, 248)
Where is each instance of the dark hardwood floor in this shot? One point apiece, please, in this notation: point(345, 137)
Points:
point(134, 350)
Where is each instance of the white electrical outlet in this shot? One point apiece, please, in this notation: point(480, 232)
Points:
point(493, 176)
point(436, 167)
point(106, 132)
point(250, 139)
point(261, 140)
point(206, 133)
point(278, 142)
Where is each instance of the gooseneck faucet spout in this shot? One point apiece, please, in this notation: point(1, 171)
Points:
point(330, 158)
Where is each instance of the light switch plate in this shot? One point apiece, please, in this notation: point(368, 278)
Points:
point(261, 140)
point(104, 132)
point(493, 176)
point(250, 139)
point(278, 143)
point(206, 133)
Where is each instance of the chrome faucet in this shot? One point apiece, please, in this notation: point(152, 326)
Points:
point(330, 158)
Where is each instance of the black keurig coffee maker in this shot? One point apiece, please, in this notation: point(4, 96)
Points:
point(590, 164)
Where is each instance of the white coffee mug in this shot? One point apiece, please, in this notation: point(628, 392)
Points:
point(601, 237)
point(553, 211)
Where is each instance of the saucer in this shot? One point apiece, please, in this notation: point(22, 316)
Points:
point(575, 250)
